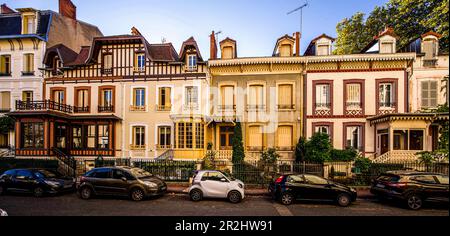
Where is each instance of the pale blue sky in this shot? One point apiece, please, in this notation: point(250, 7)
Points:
point(255, 24)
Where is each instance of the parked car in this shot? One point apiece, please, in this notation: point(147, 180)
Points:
point(216, 184)
point(36, 181)
point(120, 181)
point(3, 213)
point(290, 187)
point(411, 187)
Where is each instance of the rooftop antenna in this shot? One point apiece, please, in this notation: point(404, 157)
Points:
point(217, 35)
point(301, 14)
point(163, 40)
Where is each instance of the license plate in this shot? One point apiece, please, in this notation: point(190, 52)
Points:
point(380, 185)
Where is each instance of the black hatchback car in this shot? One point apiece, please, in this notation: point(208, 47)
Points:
point(120, 181)
point(412, 187)
point(288, 188)
point(36, 181)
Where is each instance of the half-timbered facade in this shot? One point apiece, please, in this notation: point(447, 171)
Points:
point(119, 97)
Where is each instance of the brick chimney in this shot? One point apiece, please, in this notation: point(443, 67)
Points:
point(67, 9)
point(4, 9)
point(213, 47)
point(297, 43)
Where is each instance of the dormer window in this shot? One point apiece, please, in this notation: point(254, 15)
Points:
point(192, 62)
point(323, 50)
point(228, 48)
point(285, 50)
point(139, 62)
point(387, 47)
point(430, 48)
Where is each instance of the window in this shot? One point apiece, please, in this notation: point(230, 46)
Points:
point(442, 179)
point(165, 103)
point(107, 63)
point(416, 139)
point(227, 98)
point(190, 135)
point(353, 96)
point(4, 140)
point(103, 136)
point(323, 129)
point(5, 65)
point(323, 96)
point(28, 64)
point(27, 96)
point(24, 175)
point(102, 173)
point(285, 134)
point(106, 99)
point(138, 99)
point(227, 53)
point(192, 62)
point(311, 179)
point(386, 94)
point(400, 139)
point(29, 24)
point(192, 97)
point(387, 47)
point(256, 97)
point(33, 135)
point(164, 133)
point(426, 179)
point(59, 96)
point(82, 100)
point(77, 137)
point(91, 136)
point(140, 62)
point(430, 49)
point(5, 101)
point(60, 135)
point(429, 94)
point(323, 50)
point(353, 137)
point(255, 138)
point(285, 96)
point(286, 50)
point(213, 176)
point(138, 141)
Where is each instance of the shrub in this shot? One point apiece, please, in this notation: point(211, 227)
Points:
point(343, 155)
point(238, 145)
point(318, 148)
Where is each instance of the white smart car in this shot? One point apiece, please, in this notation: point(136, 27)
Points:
point(216, 184)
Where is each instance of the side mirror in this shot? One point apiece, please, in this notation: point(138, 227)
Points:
point(124, 179)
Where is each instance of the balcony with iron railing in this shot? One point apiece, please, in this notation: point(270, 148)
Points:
point(253, 107)
point(45, 105)
point(226, 108)
point(353, 108)
point(81, 109)
point(138, 108)
point(107, 108)
point(107, 71)
point(387, 107)
point(430, 62)
point(136, 147)
point(322, 109)
point(27, 73)
point(163, 107)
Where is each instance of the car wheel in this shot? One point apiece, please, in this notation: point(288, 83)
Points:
point(414, 201)
point(137, 194)
point(85, 193)
point(287, 198)
point(196, 195)
point(234, 197)
point(38, 192)
point(343, 200)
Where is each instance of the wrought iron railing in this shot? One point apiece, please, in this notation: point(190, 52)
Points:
point(387, 104)
point(105, 108)
point(81, 109)
point(43, 106)
point(226, 107)
point(163, 107)
point(256, 107)
point(67, 163)
point(430, 63)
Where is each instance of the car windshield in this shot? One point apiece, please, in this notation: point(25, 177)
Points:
point(45, 174)
point(140, 173)
point(229, 176)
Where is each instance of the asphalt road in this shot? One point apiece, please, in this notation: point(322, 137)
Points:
point(179, 205)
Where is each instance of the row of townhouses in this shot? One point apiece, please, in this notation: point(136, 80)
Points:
point(73, 91)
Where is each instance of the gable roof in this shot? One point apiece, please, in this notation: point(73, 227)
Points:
point(290, 38)
point(81, 58)
point(387, 31)
point(190, 43)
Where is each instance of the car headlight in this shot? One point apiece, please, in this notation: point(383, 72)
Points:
point(53, 184)
point(150, 184)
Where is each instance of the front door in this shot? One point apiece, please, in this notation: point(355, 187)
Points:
point(226, 137)
point(384, 143)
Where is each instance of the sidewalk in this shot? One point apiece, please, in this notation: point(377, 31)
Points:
point(363, 192)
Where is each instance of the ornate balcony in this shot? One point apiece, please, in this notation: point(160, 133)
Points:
point(387, 108)
point(323, 109)
point(353, 109)
point(138, 108)
point(106, 108)
point(163, 107)
point(43, 106)
point(81, 109)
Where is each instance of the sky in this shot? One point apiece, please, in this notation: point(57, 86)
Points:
point(254, 24)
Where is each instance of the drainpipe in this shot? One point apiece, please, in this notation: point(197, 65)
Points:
point(123, 119)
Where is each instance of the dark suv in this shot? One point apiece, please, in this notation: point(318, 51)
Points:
point(411, 187)
point(36, 181)
point(120, 181)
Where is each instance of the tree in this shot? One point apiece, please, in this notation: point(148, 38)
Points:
point(409, 18)
point(318, 148)
point(6, 124)
point(300, 150)
point(238, 145)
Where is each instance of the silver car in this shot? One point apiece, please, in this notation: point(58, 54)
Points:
point(216, 184)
